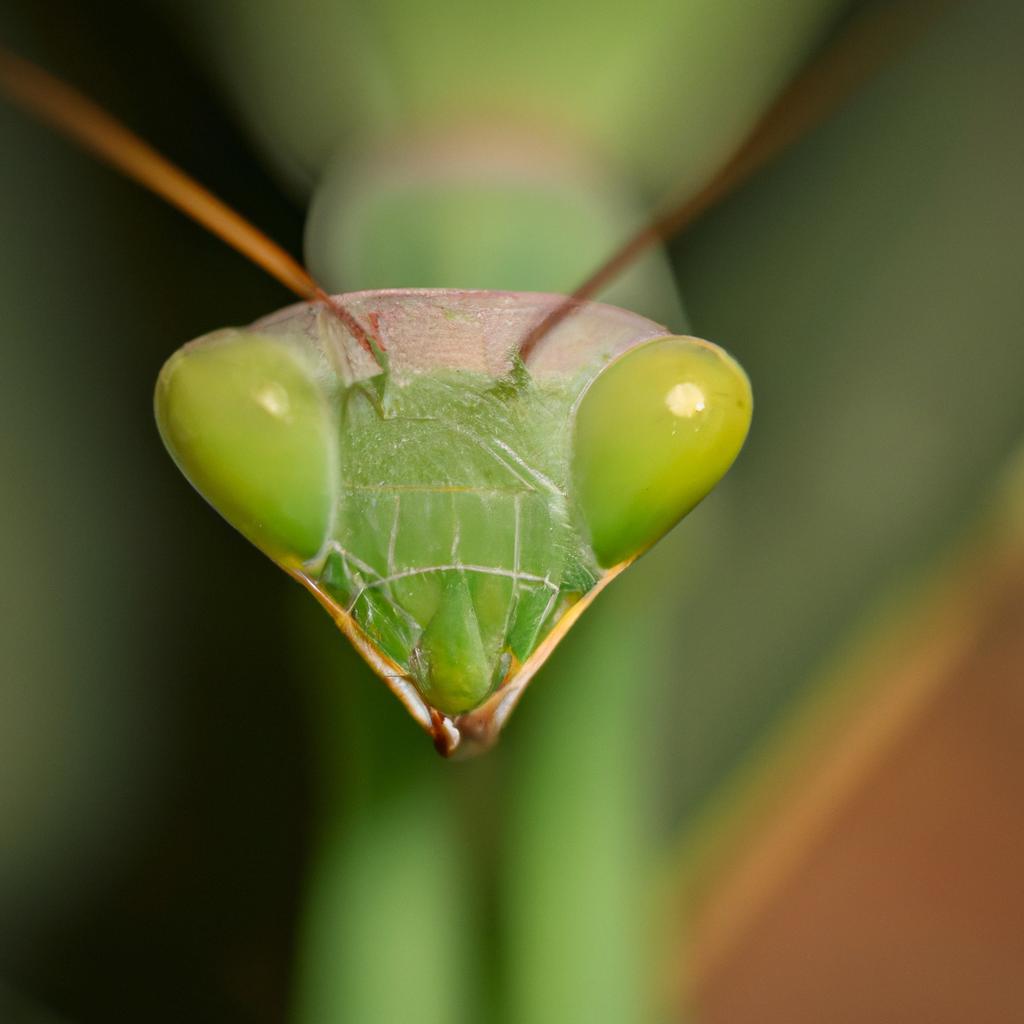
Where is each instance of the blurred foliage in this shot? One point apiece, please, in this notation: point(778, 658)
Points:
point(159, 760)
point(661, 89)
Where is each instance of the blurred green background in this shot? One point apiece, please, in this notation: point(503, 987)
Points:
point(209, 810)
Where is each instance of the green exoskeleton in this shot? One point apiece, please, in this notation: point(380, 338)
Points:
point(453, 506)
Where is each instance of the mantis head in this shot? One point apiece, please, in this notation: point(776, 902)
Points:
point(454, 508)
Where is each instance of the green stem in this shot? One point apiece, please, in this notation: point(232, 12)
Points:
point(386, 935)
point(576, 876)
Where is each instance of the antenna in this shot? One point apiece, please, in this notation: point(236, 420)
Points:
point(88, 124)
point(866, 44)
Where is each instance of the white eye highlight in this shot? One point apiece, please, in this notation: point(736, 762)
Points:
point(274, 399)
point(685, 400)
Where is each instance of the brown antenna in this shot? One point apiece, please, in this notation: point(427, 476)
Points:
point(824, 85)
point(94, 129)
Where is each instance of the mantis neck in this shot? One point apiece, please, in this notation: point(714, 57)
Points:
point(475, 208)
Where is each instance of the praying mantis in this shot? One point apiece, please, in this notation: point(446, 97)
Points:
point(456, 483)
point(456, 595)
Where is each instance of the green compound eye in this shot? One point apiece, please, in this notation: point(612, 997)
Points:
point(655, 431)
point(244, 421)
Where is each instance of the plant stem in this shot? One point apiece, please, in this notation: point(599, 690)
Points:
point(576, 876)
point(386, 934)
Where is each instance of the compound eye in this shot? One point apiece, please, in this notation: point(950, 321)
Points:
point(654, 432)
point(246, 423)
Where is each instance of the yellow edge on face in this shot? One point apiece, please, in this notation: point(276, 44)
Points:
point(482, 726)
point(389, 671)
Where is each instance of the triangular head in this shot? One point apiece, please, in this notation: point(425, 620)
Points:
point(454, 508)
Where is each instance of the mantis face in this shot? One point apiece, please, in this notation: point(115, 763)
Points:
point(454, 508)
